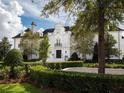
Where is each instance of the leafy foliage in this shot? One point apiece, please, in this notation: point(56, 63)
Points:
point(44, 47)
point(110, 49)
point(62, 65)
point(92, 15)
point(74, 57)
point(84, 43)
point(4, 47)
point(12, 59)
point(30, 43)
point(77, 82)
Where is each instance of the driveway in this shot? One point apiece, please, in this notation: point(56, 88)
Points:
point(95, 70)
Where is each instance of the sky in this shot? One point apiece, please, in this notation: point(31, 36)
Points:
point(17, 15)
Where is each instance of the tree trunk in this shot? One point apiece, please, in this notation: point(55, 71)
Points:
point(101, 40)
point(44, 61)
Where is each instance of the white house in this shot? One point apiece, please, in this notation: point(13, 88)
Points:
point(60, 39)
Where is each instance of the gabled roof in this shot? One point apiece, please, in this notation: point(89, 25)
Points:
point(51, 30)
point(19, 35)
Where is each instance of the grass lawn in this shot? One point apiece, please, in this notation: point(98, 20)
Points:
point(19, 88)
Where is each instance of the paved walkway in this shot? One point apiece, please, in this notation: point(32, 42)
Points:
point(95, 70)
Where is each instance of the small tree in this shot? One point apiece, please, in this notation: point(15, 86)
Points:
point(30, 43)
point(110, 48)
point(12, 59)
point(44, 46)
point(4, 47)
point(84, 43)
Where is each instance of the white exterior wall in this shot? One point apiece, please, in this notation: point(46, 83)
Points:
point(64, 37)
point(16, 43)
point(66, 41)
point(120, 43)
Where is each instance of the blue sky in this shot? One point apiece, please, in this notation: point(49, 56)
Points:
point(41, 23)
point(17, 15)
point(32, 12)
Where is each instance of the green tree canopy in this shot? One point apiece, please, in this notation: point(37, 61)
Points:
point(30, 43)
point(44, 48)
point(4, 47)
point(92, 15)
point(110, 49)
point(12, 59)
point(84, 43)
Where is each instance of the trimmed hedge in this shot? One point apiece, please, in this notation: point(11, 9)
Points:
point(61, 65)
point(32, 63)
point(77, 82)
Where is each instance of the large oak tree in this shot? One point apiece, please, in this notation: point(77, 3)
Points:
point(92, 15)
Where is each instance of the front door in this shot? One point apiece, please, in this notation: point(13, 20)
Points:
point(58, 53)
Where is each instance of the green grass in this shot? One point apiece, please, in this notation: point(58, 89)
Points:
point(19, 88)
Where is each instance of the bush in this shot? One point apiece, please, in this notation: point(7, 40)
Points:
point(74, 57)
point(12, 59)
point(4, 71)
point(77, 82)
point(61, 65)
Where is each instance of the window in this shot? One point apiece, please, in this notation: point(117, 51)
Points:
point(58, 42)
point(58, 53)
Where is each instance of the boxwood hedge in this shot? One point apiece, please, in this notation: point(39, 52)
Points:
point(77, 82)
point(61, 65)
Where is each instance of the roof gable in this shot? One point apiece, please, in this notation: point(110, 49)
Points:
point(51, 30)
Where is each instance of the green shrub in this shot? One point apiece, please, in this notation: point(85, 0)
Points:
point(20, 71)
point(77, 82)
point(4, 72)
point(12, 59)
point(74, 57)
point(61, 65)
point(33, 63)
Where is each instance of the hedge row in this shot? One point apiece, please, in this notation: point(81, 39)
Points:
point(113, 65)
point(77, 82)
point(61, 65)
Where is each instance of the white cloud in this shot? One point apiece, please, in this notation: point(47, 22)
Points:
point(10, 21)
point(33, 8)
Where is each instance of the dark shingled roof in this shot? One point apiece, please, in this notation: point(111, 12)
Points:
point(67, 28)
point(19, 35)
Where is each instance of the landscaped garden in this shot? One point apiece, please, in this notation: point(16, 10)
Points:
point(52, 77)
point(92, 17)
